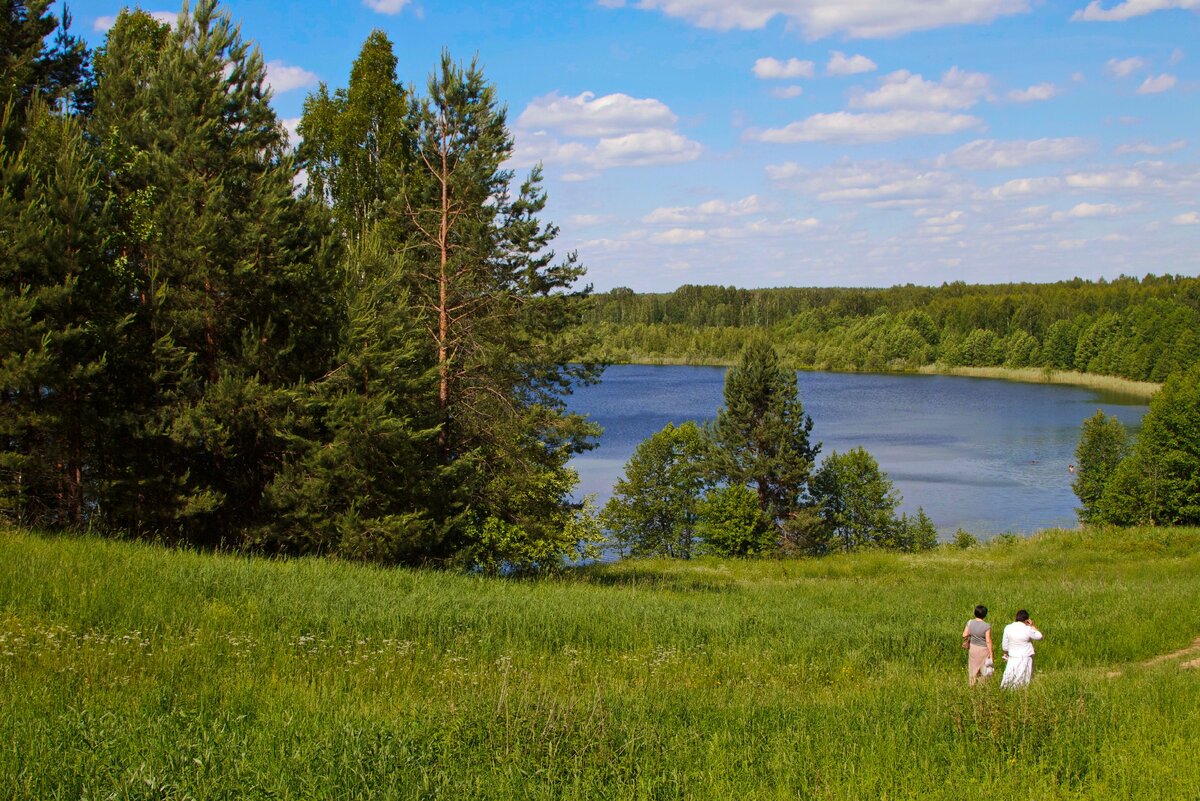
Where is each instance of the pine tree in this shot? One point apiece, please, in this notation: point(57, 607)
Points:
point(230, 288)
point(31, 67)
point(761, 434)
point(58, 317)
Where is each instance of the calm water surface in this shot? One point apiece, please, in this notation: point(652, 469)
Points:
point(989, 456)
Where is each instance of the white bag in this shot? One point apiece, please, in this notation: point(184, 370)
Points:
point(988, 668)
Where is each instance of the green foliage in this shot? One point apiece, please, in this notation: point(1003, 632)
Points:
point(964, 539)
point(761, 434)
point(653, 509)
point(914, 533)
point(858, 502)
point(1103, 443)
point(1158, 483)
point(1138, 329)
point(730, 523)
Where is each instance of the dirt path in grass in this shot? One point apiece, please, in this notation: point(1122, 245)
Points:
point(1192, 651)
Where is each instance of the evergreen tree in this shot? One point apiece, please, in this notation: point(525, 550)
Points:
point(30, 66)
point(363, 482)
point(59, 314)
point(857, 501)
point(1103, 443)
point(653, 509)
point(229, 290)
point(499, 312)
point(761, 434)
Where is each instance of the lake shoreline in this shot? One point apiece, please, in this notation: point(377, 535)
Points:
point(1143, 390)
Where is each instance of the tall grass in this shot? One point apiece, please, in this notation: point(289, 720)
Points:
point(1142, 390)
point(129, 671)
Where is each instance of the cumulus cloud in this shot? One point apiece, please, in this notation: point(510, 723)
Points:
point(386, 6)
point(283, 78)
point(711, 209)
point(820, 18)
point(1023, 187)
point(1040, 91)
point(877, 183)
point(1156, 84)
point(788, 92)
point(102, 24)
point(989, 154)
point(1096, 12)
point(841, 64)
point(647, 148)
point(1122, 68)
point(851, 128)
point(586, 115)
point(773, 68)
point(1187, 218)
point(1112, 179)
point(678, 236)
point(902, 89)
point(1082, 211)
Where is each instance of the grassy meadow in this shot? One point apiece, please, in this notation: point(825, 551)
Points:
point(130, 671)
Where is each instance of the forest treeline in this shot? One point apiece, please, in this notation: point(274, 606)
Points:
point(358, 347)
point(1139, 329)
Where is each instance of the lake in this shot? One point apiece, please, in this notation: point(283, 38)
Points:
point(986, 455)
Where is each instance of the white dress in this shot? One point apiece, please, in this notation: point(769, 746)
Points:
point(1018, 644)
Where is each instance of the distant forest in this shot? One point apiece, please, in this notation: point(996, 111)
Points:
point(1139, 329)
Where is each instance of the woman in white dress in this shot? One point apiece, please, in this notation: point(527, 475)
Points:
point(1017, 645)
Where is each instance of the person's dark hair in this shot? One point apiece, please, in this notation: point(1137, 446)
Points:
point(1022, 616)
point(981, 611)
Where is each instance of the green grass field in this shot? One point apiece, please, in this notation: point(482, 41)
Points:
point(135, 672)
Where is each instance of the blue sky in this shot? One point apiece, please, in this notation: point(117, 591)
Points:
point(811, 142)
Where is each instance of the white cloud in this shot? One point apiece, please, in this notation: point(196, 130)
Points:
point(1113, 179)
point(841, 64)
point(290, 125)
point(852, 128)
point(751, 204)
point(989, 154)
point(879, 183)
point(386, 6)
point(282, 78)
point(1156, 84)
point(643, 149)
point(590, 116)
point(1151, 150)
point(1082, 211)
point(788, 92)
point(773, 68)
point(1122, 68)
point(102, 24)
point(1095, 11)
point(584, 220)
point(1187, 218)
point(819, 18)
point(902, 89)
point(678, 236)
point(1040, 91)
point(1022, 187)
